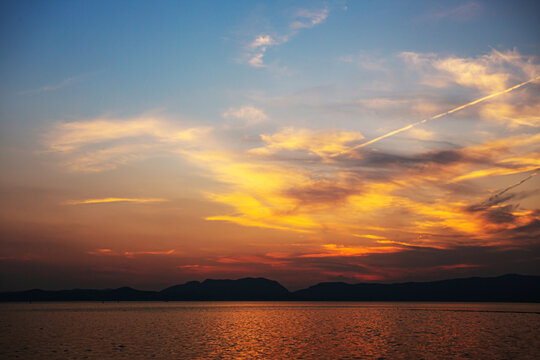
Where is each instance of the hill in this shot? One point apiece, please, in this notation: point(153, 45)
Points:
point(506, 288)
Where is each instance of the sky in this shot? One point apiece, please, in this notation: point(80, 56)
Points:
point(147, 144)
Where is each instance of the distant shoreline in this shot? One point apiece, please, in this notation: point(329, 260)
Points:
point(506, 288)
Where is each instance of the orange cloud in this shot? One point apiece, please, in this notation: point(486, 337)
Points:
point(319, 198)
point(457, 266)
point(512, 115)
point(321, 143)
point(130, 254)
point(416, 244)
point(321, 182)
point(341, 250)
point(114, 200)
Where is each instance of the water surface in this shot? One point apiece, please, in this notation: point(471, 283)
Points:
point(269, 330)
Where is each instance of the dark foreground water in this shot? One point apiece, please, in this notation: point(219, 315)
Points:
point(269, 330)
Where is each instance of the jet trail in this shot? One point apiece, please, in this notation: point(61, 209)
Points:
point(493, 199)
point(405, 128)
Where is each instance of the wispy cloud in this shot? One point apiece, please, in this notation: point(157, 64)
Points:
point(449, 112)
point(248, 115)
point(332, 250)
point(256, 59)
point(130, 254)
point(257, 49)
point(500, 196)
point(51, 87)
point(366, 61)
point(317, 181)
point(308, 19)
point(512, 115)
point(114, 200)
point(73, 135)
point(488, 73)
point(492, 75)
point(463, 12)
point(303, 19)
point(104, 143)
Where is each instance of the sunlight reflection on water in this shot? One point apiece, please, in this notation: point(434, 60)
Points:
point(269, 330)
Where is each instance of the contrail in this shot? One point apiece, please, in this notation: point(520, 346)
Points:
point(493, 199)
point(405, 128)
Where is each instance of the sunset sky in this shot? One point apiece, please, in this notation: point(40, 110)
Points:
point(151, 143)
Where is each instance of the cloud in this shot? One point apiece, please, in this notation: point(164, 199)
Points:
point(321, 192)
point(528, 232)
point(512, 115)
point(308, 19)
point(493, 210)
point(73, 135)
point(257, 48)
point(317, 181)
point(463, 12)
point(378, 69)
point(331, 250)
point(501, 197)
point(472, 74)
point(263, 41)
point(488, 73)
point(255, 193)
point(103, 143)
point(321, 143)
point(503, 214)
point(507, 156)
point(114, 200)
point(249, 115)
point(313, 181)
point(378, 103)
point(354, 263)
point(449, 112)
point(320, 183)
point(421, 134)
point(513, 166)
point(257, 60)
point(52, 87)
point(382, 159)
point(282, 197)
point(130, 254)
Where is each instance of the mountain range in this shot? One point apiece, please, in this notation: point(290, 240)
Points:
point(506, 288)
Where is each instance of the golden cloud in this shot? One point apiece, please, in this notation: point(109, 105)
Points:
point(114, 200)
point(321, 143)
point(488, 73)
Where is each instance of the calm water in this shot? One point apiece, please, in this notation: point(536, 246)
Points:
point(269, 330)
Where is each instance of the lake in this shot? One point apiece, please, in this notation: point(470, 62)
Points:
point(269, 330)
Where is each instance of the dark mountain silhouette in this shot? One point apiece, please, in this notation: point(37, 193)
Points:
point(506, 288)
point(242, 289)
